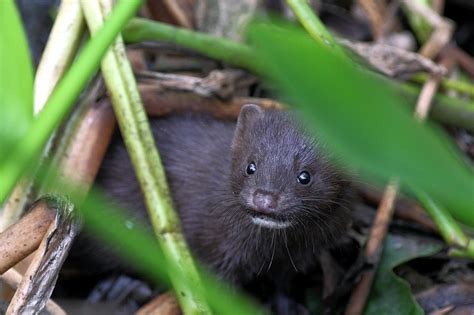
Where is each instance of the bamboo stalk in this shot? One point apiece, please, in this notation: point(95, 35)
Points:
point(139, 141)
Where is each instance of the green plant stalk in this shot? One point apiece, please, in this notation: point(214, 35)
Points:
point(313, 25)
point(468, 251)
point(228, 51)
point(456, 85)
point(446, 110)
point(448, 227)
point(146, 161)
point(25, 154)
point(60, 50)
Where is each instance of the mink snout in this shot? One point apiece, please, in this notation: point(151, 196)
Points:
point(265, 201)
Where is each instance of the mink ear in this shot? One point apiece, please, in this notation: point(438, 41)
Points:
point(247, 117)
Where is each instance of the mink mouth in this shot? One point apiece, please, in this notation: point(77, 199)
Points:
point(269, 221)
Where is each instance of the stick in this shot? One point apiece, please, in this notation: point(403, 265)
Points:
point(22, 238)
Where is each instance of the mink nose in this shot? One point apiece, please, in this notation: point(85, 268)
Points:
point(264, 201)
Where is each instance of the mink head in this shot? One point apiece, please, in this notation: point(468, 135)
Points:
point(279, 175)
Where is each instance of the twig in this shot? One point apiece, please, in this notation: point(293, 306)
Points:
point(170, 11)
point(405, 209)
point(373, 250)
point(38, 282)
point(146, 161)
point(83, 144)
point(164, 304)
point(426, 96)
point(377, 12)
point(448, 110)
point(13, 279)
point(22, 238)
point(393, 61)
point(218, 83)
point(443, 28)
point(461, 57)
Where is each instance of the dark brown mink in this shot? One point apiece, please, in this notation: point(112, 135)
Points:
point(256, 198)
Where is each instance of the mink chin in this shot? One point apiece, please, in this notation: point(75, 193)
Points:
point(256, 198)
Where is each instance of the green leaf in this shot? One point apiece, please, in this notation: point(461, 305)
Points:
point(112, 225)
point(16, 78)
point(26, 151)
point(391, 294)
point(362, 120)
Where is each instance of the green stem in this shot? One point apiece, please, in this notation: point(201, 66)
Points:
point(448, 227)
point(312, 24)
point(448, 110)
point(456, 85)
point(135, 129)
point(228, 51)
point(63, 97)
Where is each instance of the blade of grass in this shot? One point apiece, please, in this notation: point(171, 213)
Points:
point(26, 152)
point(16, 78)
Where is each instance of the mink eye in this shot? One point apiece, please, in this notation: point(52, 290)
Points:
point(304, 178)
point(251, 168)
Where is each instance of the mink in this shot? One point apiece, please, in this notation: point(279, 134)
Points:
point(256, 198)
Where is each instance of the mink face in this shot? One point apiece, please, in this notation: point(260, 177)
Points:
point(278, 173)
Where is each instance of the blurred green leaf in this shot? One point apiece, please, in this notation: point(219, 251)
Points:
point(391, 294)
point(26, 152)
point(141, 249)
point(362, 120)
point(16, 78)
